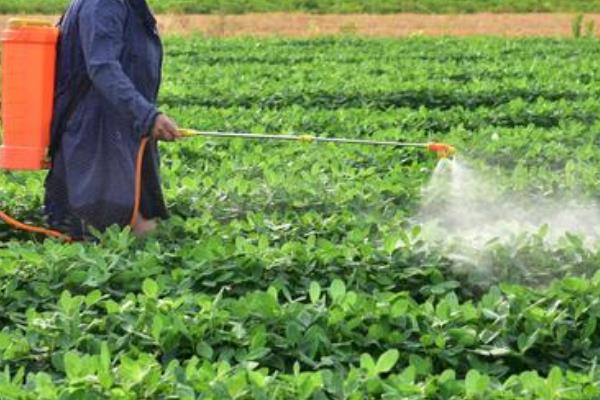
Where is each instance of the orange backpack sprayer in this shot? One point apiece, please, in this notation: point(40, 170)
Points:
point(28, 69)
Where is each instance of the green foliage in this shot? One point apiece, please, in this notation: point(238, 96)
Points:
point(590, 28)
point(329, 6)
point(292, 270)
point(576, 26)
point(581, 28)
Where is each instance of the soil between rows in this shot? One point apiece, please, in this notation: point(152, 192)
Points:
point(395, 25)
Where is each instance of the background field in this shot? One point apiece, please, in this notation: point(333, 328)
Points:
point(304, 25)
point(330, 6)
point(290, 271)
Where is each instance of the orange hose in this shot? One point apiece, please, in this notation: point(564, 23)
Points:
point(59, 235)
point(138, 182)
point(34, 229)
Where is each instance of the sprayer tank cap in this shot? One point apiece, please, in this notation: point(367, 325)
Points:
point(16, 23)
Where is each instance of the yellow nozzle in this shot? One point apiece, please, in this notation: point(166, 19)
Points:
point(442, 150)
point(186, 132)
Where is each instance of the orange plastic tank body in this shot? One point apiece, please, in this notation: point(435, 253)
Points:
point(28, 79)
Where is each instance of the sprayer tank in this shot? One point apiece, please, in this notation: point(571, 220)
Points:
point(28, 73)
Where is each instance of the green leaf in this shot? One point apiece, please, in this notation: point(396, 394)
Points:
point(45, 387)
point(408, 376)
point(112, 307)
point(476, 384)
point(368, 364)
point(259, 337)
point(400, 308)
point(390, 244)
point(555, 379)
point(531, 381)
point(104, 370)
point(273, 292)
point(576, 285)
point(104, 356)
point(596, 278)
point(150, 288)
point(11, 392)
point(525, 341)
point(5, 340)
point(133, 372)
point(449, 375)
point(337, 290)
point(423, 366)
point(309, 383)
point(204, 350)
point(237, 384)
point(72, 364)
point(93, 297)
point(257, 378)
point(387, 361)
point(158, 324)
point(472, 383)
point(314, 292)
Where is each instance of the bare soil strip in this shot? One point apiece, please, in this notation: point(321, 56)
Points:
point(396, 25)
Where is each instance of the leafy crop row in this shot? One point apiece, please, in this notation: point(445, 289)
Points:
point(295, 271)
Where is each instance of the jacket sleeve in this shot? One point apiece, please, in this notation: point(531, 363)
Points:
point(101, 27)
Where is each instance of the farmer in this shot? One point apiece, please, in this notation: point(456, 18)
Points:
point(108, 76)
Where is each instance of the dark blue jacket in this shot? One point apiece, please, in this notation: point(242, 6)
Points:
point(108, 76)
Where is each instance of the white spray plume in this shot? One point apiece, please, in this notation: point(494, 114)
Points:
point(464, 211)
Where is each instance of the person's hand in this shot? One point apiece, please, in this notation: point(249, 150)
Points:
point(165, 129)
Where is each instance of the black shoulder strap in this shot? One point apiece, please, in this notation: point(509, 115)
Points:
point(60, 21)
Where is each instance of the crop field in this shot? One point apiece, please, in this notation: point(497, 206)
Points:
point(329, 6)
point(296, 271)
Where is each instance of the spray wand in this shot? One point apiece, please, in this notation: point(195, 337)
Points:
point(441, 149)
